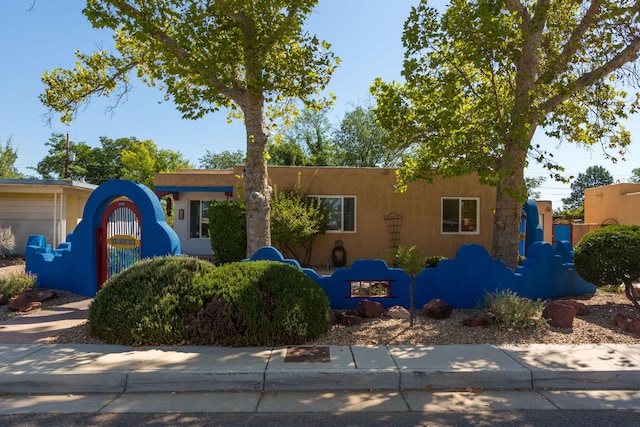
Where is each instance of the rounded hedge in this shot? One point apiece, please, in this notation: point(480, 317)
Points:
point(609, 256)
point(261, 303)
point(147, 303)
point(180, 300)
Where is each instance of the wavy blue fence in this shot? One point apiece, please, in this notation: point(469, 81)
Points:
point(546, 273)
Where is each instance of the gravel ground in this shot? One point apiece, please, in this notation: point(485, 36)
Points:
point(598, 327)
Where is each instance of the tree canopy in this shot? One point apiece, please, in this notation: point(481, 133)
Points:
point(482, 77)
point(594, 176)
point(223, 160)
point(8, 157)
point(252, 57)
point(360, 141)
point(122, 158)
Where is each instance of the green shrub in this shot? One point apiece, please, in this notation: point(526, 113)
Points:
point(13, 285)
point(609, 256)
point(148, 302)
point(433, 261)
point(261, 303)
point(513, 312)
point(228, 231)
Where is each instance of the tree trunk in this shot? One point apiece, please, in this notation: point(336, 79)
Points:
point(509, 193)
point(258, 191)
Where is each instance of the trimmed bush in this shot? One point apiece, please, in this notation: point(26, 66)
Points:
point(609, 257)
point(261, 303)
point(147, 303)
point(228, 231)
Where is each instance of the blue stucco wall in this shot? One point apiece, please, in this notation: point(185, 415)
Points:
point(73, 265)
point(462, 281)
point(546, 272)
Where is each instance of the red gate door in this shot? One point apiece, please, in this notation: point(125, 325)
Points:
point(119, 239)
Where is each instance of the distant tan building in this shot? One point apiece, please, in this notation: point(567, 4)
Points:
point(368, 216)
point(48, 208)
point(609, 204)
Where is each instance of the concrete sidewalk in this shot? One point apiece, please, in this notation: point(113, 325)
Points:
point(60, 368)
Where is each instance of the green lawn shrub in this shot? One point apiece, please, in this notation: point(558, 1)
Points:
point(147, 303)
point(261, 303)
point(228, 231)
point(610, 257)
point(180, 300)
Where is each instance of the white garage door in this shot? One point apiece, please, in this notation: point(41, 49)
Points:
point(27, 216)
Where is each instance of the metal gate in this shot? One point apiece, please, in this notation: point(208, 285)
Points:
point(119, 239)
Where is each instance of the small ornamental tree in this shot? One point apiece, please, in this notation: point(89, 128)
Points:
point(296, 220)
point(610, 256)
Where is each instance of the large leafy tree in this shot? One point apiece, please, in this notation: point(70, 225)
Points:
point(483, 77)
point(594, 176)
point(223, 160)
point(124, 158)
point(8, 157)
point(360, 141)
point(312, 132)
point(249, 56)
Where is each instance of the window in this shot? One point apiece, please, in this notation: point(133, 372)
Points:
point(460, 215)
point(370, 288)
point(342, 211)
point(199, 219)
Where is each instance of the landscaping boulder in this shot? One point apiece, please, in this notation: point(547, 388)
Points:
point(398, 312)
point(476, 320)
point(4, 300)
point(370, 309)
point(628, 323)
point(559, 315)
point(437, 309)
point(581, 308)
point(350, 319)
point(31, 299)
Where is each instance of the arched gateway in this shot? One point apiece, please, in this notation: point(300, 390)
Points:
point(122, 222)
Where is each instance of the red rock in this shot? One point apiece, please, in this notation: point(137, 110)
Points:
point(559, 315)
point(398, 312)
point(4, 300)
point(370, 309)
point(623, 322)
point(634, 326)
point(31, 299)
point(476, 320)
point(350, 319)
point(437, 309)
point(581, 308)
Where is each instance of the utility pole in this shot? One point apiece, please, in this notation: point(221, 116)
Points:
point(66, 162)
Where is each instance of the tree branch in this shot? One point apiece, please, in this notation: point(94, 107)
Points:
point(163, 38)
point(571, 47)
point(628, 54)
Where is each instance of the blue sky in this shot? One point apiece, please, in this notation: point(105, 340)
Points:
point(365, 34)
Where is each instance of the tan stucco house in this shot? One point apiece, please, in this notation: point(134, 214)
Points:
point(44, 207)
point(609, 204)
point(368, 216)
